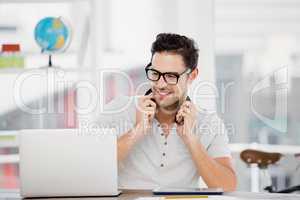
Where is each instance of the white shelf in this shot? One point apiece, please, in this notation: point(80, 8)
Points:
point(41, 1)
point(21, 70)
point(9, 159)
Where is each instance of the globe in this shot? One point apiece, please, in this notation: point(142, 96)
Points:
point(52, 34)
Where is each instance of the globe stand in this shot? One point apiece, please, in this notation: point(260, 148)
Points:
point(50, 61)
point(50, 65)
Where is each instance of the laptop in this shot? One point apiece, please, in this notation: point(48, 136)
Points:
point(68, 162)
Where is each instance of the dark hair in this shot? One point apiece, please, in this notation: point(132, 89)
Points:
point(177, 44)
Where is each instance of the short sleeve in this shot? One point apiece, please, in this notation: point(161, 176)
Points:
point(118, 114)
point(218, 146)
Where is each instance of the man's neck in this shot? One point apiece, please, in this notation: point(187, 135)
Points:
point(167, 115)
point(164, 117)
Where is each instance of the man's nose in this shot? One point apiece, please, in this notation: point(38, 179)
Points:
point(161, 82)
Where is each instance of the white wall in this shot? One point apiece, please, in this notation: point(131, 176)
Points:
point(125, 30)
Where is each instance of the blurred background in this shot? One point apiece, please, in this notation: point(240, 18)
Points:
point(249, 56)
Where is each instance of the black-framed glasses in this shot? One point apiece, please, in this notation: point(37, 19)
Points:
point(169, 77)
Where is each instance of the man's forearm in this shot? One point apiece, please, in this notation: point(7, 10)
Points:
point(127, 141)
point(213, 173)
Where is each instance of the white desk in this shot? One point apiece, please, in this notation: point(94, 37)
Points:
point(134, 194)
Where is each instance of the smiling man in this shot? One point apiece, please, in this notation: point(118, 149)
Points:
point(165, 140)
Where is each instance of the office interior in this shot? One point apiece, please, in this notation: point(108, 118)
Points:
point(249, 55)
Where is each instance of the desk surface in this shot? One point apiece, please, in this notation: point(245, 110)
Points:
point(133, 194)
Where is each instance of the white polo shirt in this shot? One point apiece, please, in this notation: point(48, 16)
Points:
point(157, 161)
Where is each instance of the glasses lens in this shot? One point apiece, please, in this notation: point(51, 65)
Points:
point(152, 75)
point(171, 78)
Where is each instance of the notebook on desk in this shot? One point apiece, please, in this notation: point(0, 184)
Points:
point(188, 191)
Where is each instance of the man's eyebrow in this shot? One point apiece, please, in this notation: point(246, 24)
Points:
point(152, 67)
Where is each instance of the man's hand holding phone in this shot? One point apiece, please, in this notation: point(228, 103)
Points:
point(145, 112)
point(188, 114)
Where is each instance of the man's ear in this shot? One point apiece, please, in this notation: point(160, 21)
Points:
point(193, 75)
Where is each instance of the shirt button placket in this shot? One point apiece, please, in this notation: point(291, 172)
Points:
point(163, 153)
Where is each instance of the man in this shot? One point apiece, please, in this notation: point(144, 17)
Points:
point(154, 150)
